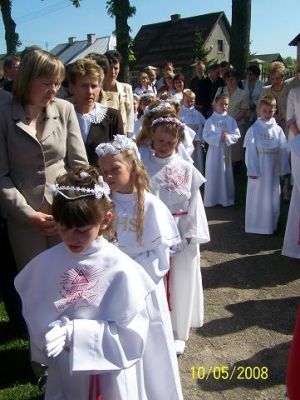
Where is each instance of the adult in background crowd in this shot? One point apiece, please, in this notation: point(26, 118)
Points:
point(253, 87)
point(167, 88)
point(152, 74)
point(178, 81)
point(279, 89)
point(167, 69)
point(97, 122)
point(10, 69)
point(224, 66)
point(197, 83)
point(209, 88)
point(144, 84)
point(117, 94)
point(238, 109)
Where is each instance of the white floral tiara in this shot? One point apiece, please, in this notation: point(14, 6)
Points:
point(161, 106)
point(167, 120)
point(118, 145)
point(100, 189)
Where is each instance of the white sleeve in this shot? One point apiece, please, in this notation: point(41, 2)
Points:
point(108, 346)
point(234, 134)
point(196, 221)
point(251, 156)
point(283, 154)
point(210, 135)
point(156, 262)
point(290, 108)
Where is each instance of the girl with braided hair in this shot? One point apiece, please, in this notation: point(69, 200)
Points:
point(146, 231)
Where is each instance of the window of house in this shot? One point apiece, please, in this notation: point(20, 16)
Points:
point(220, 46)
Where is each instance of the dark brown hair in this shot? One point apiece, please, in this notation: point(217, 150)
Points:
point(79, 212)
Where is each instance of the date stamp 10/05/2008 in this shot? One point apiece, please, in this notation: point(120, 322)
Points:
point(224, 372)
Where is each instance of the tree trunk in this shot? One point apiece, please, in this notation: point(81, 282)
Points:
point(240, 35)
point(122, 35)
point(123, 38)
point(11, 37)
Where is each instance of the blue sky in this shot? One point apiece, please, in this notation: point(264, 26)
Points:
point(50, 22)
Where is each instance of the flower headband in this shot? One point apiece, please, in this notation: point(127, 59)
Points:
point(120, 143)
point(167, 120)
point(100, 189)
point(161, 106)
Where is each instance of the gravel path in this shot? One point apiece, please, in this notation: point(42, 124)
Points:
point(251, 297)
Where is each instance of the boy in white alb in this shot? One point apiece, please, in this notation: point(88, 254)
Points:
point(194, 120)
point(220, 132)
point(266, 160)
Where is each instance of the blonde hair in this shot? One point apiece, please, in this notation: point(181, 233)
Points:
point(81, 211)
point(277, 67)
point(141, 183)
point(36, 64)
point(189, 93)
point(220, 96)
point(267, 101)
point(84, 67)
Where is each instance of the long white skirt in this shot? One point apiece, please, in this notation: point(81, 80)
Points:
point(186, 292)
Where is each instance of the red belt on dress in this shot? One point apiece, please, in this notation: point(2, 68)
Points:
point(179, 213)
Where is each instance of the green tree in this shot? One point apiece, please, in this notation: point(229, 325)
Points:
point(240, 34)
point(201, 52)
point(121, 10)
point(11, 36)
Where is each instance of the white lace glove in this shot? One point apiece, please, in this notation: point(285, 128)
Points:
point(177, 248)
point(59, 336)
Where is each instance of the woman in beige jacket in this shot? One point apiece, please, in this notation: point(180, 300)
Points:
point(39, 140)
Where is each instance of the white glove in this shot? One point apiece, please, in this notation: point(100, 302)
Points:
point(59, 336)
point(177, 248)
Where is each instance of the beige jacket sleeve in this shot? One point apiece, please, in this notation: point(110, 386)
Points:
point(27, 165)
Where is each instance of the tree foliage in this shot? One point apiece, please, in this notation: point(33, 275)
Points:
point(201, 52)
point(11, 36)
point(121, 10)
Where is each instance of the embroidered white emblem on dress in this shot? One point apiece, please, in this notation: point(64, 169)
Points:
point(79, 287)
point(177, 180)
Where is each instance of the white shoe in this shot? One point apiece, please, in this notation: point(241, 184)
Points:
point(179, 346)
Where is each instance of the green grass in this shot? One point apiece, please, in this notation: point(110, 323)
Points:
point(16, 379)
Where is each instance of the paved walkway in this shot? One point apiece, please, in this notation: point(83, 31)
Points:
point(251, 297)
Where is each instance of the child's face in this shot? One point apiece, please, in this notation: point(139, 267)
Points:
point(79, 239)
point(188, 101)
point(266, 112)
point(85, 91)
point(117, 173)
point(163, 142)
point(221, 105)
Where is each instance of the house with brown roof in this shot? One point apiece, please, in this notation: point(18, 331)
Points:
point(174, 40)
